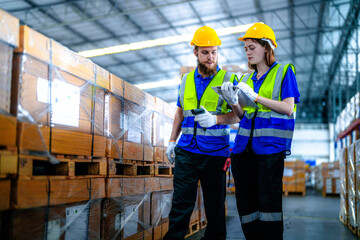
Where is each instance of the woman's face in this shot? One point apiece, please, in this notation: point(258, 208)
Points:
point(254, 52)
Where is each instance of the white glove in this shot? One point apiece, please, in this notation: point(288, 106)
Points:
point(171, 150)
point(206, 119)
point(248, 91)
point(230, 95)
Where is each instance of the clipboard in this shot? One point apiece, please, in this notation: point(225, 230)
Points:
point(244, 100)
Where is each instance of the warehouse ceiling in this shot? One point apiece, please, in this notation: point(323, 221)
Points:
point(319, 37)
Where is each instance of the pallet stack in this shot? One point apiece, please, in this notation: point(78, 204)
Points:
point(331, 178)
point(352, 186)
point(344, 205)
point(78, 159)
point(294, 177)
point(9, 39)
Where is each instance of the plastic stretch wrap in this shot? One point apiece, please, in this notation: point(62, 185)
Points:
point(352, 156)
point(78, 209)
point(343, 163)
point(9, 38)
point(59, 109)
point(357, 179)
point(162, 127)
point(128, 122)
point(136, 208)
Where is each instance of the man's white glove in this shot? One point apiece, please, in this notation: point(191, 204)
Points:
point(248, 91)
point(229, 93)
point(171, 150)
point(206, 119)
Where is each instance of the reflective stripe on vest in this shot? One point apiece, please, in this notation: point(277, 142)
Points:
point(270, 216)
point(249, 218)
point(266, 132)
point(206, 131)
point(265, 112)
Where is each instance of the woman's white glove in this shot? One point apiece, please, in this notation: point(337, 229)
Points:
point(230, 93)
point(248, 91)
point(206, 119)
point(171, 150)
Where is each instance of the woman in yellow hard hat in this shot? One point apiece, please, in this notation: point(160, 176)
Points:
point(264, 136)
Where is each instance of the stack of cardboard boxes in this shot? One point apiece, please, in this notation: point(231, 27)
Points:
point(82, 151)
point(294, 177)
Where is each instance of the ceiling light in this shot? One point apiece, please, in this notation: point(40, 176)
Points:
point(158, 84)
point(157, 42)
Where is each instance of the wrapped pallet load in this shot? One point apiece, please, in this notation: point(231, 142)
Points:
point(344, 205)
point(58, 97)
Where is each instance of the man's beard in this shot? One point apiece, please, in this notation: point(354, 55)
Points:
point(205, 70)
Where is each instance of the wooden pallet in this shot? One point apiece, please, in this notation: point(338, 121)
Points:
point(162, 170)
point(353, 229)
point(193, 228)
point(324, 194)
point(344, 221)
point(31, 167)
point(130, 169)
point(203, 224)
point(286, 193)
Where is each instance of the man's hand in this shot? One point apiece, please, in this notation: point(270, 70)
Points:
point(229, 93)
point(248, 91)
point(206, 119)
point(171, 150)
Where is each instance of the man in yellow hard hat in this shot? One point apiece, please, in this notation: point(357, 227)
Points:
point(202, 150)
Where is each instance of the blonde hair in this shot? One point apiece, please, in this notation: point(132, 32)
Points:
point(269, 54)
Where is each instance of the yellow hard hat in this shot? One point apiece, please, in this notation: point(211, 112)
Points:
point(205, 37)
point(259, 31)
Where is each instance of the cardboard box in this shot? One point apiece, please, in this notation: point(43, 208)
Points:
point(9, 38)
point(42, 192)
point(4, 194)
point(79, 220)
point(7, 130)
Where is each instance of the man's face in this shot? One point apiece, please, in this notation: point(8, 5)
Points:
point(207, 58)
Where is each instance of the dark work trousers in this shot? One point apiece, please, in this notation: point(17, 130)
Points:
point(258, 189)
point(189, 169)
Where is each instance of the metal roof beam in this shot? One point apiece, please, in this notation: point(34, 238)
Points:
point(82, 12)
point(318, 43)
point(260, 12)
point(348, 28)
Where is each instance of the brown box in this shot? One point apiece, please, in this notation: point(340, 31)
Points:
point(160, 207)
point(116, 85)
point(71, 62)
point(126, 217)
point(34, 138)
point(34, 44)
point(79, 220)
point(7, 130)
point(8, 163)
point(36, 192)
point(9, 38)
point(6, 56)
point(160, 231)
point(4, 194)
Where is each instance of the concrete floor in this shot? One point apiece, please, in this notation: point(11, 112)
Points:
point(305, 218)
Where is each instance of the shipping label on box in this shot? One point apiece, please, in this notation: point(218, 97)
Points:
point(65, 101)
point(288, 172)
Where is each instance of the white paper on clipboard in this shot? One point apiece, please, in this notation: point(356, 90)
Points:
point(244, 100)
